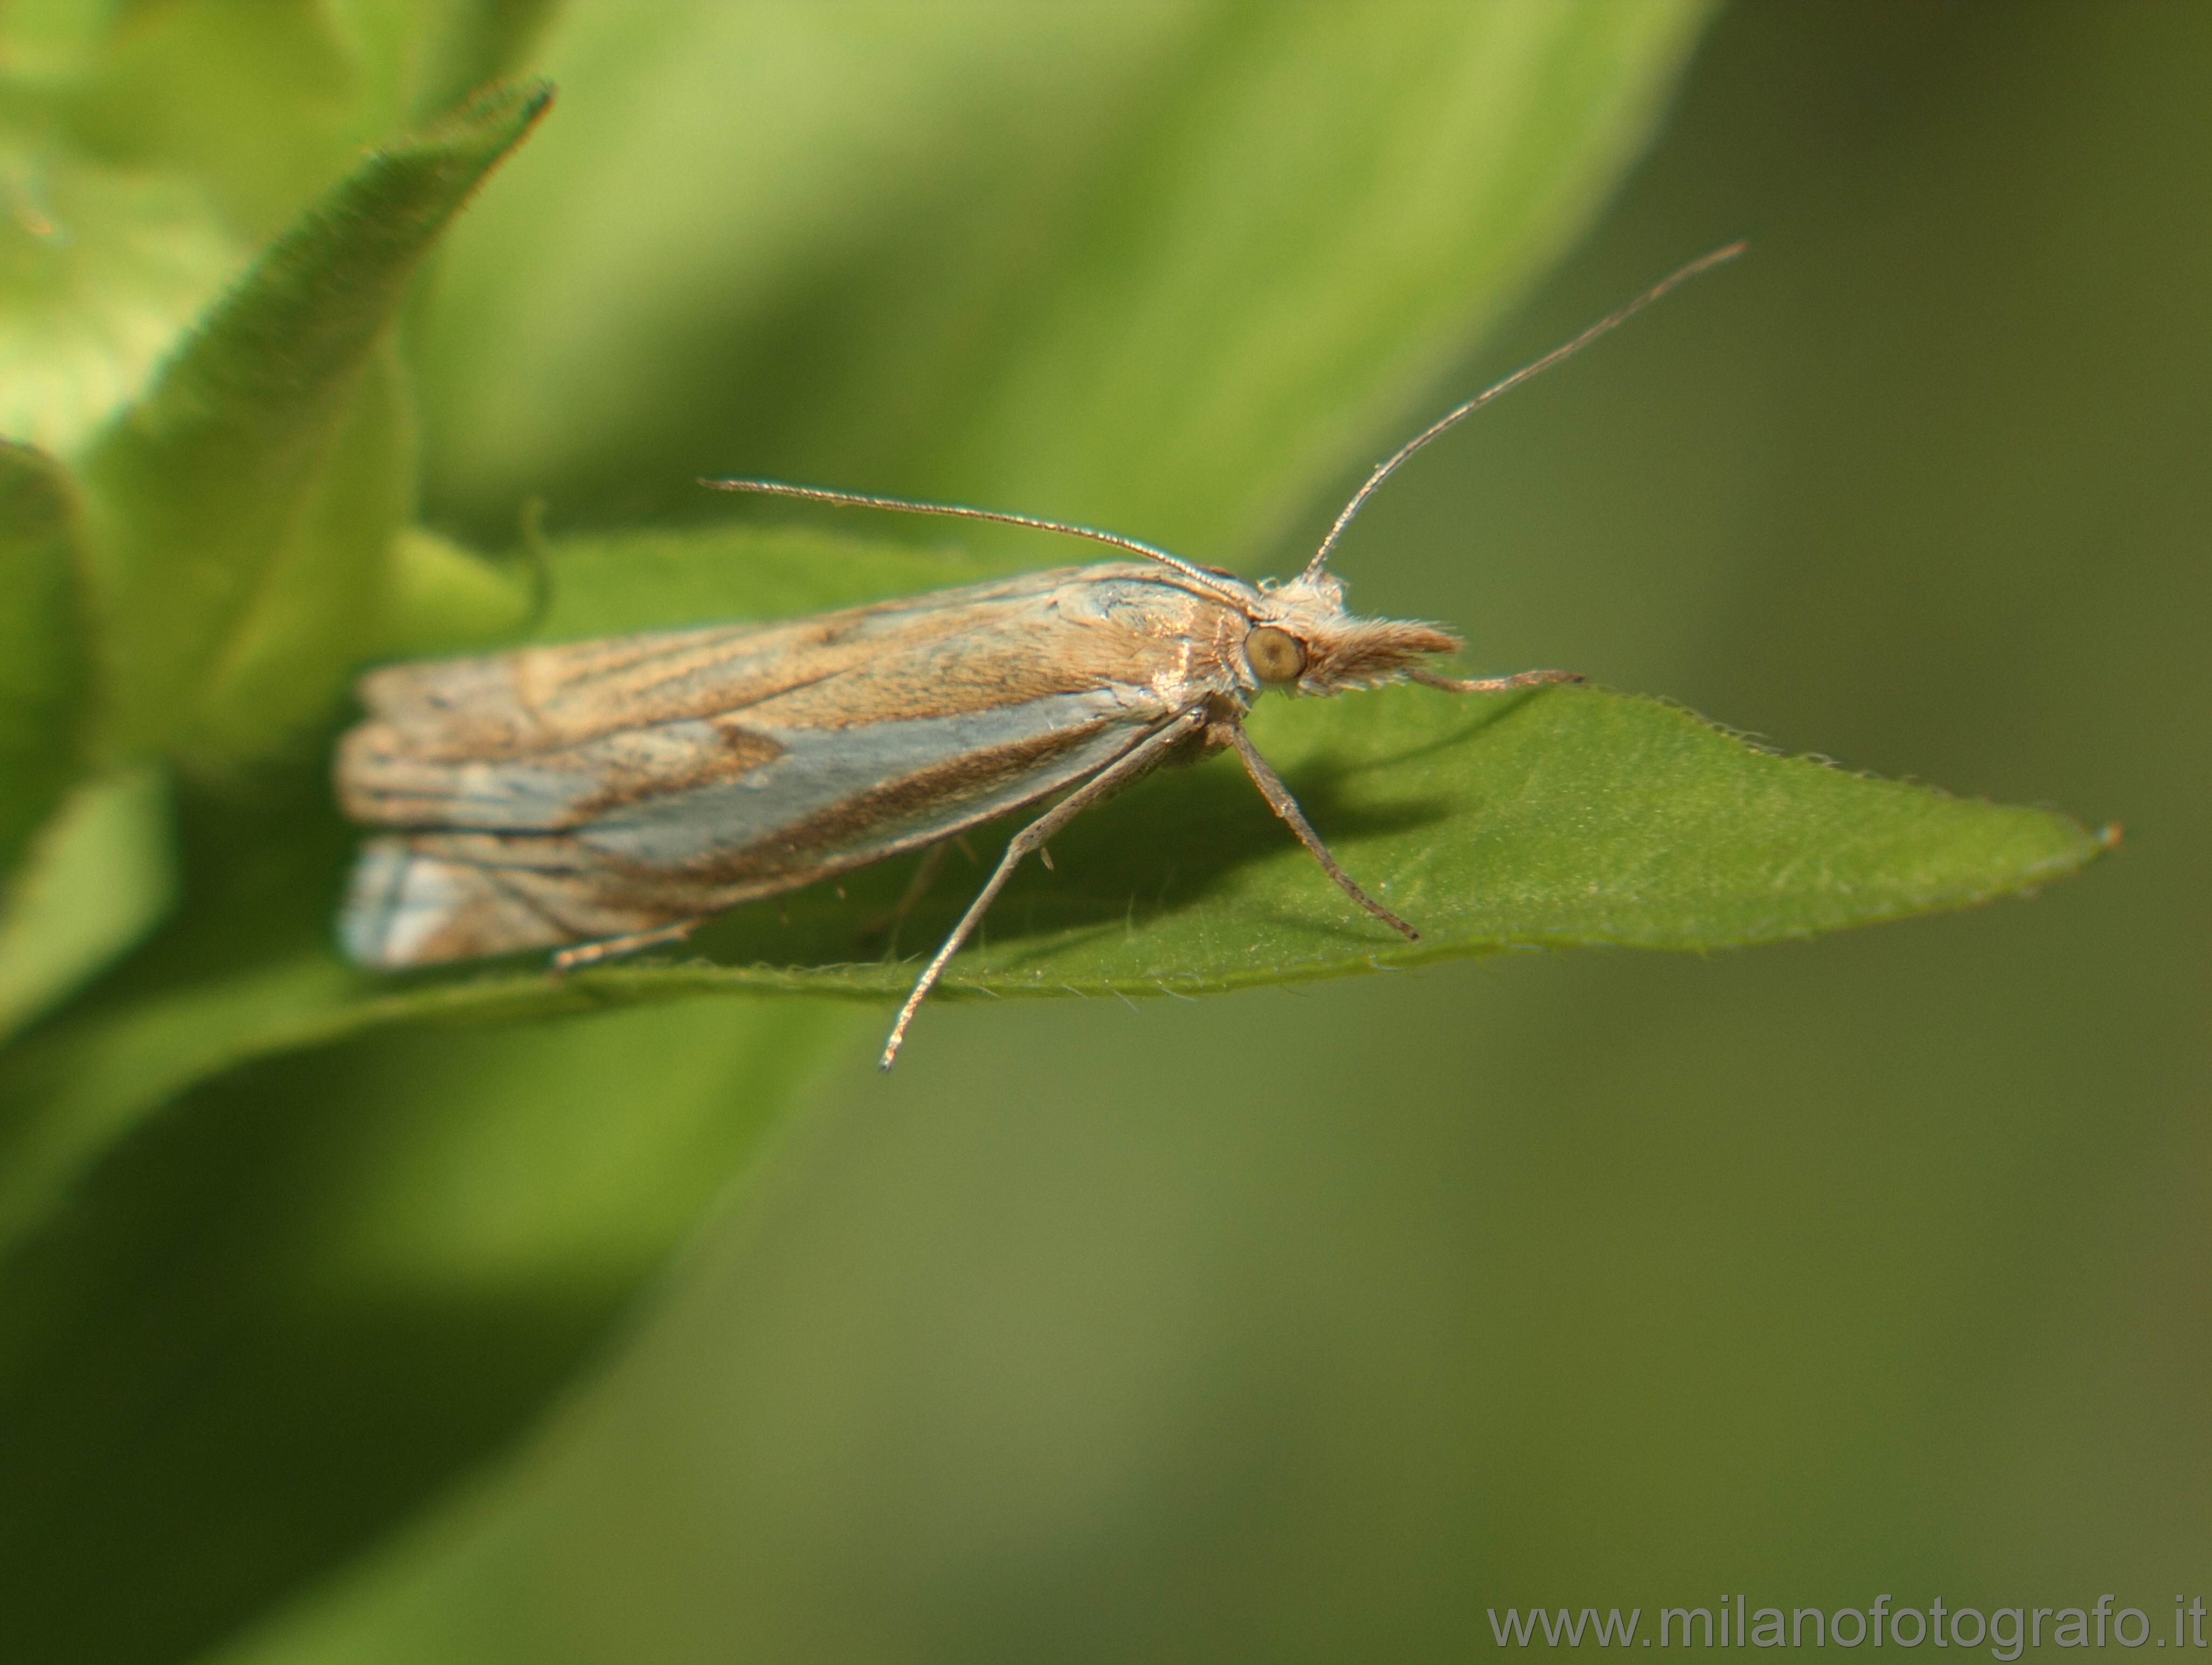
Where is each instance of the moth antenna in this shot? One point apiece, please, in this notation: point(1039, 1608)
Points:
point(1605, 325)
point(962, 511)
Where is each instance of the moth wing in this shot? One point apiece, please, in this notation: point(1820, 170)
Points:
point(546, 738)
point(829, 802)
point(555, 794)
point(541, 699)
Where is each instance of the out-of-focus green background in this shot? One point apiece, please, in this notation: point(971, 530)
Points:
point(1310, 1324)
point(1301, 1324)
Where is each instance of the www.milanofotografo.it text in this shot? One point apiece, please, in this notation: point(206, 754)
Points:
point(2006, 1632)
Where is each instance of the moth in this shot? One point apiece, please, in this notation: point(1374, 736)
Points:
point(598, 797)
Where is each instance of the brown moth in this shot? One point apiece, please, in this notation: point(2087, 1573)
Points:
point(599, 796)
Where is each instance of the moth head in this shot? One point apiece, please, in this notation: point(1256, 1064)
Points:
point(1302, 641)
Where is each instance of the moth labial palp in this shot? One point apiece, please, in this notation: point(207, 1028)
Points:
point(595, 797)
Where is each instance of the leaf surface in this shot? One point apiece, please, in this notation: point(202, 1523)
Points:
point(1554, 818)
point(97, 879)
point(45, 683)
point(1162, 269)
point(1562, 818)
point(292, 1308)
point(242, 509)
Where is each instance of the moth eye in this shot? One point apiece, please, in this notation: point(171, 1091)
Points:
point(1275, 656)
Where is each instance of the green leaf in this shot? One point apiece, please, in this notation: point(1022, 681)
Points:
point(99, 876)
point(1200, 390)
point(439, 598)
point(1568, 816)
point(262, 103)
point(243, 508)
point(45, 674)
point(290, 1311)
point(1563, 818)
point(84, 866)
point(53, 41)
point(1162, 269)
point(102, 270)
point(265, 104)
point(1551, 819)
point(467, 44)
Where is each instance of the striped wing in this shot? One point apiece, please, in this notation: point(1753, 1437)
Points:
point(564, 794)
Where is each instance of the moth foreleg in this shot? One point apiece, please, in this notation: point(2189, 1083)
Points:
point(1280, 800)
point(613, 948)
point(1128, 767)
point(1527, 679)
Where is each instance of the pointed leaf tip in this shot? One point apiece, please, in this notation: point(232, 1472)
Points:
point(500, 111)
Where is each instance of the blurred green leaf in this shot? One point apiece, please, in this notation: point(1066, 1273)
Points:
point(439, 598)
point(100, 269)
point(1158, 267)
point(1355, 248)
point(261, 102)
point(51, 43)
point(465, 44)
point(297, 1305)
point(143, 149)
point(45, 684)
point(243, 508)
point(265, 102)
point(647, 580)
point(99, 877)
point(310, 612)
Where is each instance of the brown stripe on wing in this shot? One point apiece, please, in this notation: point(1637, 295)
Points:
point(958, 650)
point(384, 781)
point(740, 752)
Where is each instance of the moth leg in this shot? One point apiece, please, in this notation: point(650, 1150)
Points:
point(613, 948)
point(925, 875)
point(1280, 800)
point(1105, 783)
point(1527, 679)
